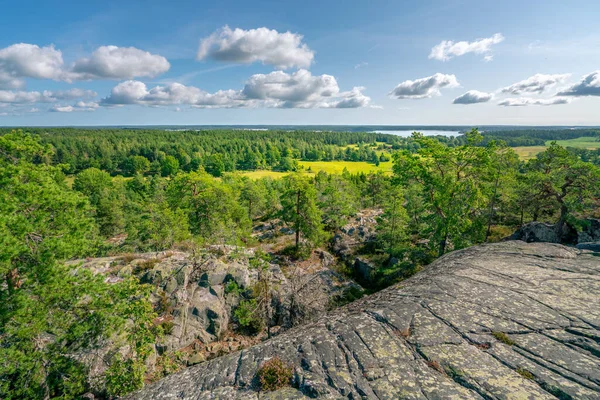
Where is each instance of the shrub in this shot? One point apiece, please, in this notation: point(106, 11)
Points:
point(436, 365)
point(129, 257)
point(248, 317)
point(167, 327)
point(275, 374)
point(233, 288)
point(145, 265)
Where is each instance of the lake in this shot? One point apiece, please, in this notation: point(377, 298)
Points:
point(424, 132)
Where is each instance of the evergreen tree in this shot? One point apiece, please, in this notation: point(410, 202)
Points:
point(299, 202)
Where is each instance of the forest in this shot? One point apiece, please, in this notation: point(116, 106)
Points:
point(61, 199)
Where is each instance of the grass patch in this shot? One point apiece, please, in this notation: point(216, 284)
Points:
point(336, 167)
point(585, 142)
point(528, 152)
point(331, 167)
point(503, 337)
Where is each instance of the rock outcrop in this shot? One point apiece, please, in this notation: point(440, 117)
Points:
point(511, 320)
point(545, 233)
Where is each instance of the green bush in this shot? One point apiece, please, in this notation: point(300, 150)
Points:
point(167, 327)
point(248, 317)
point(275, 374)
point(233, 288)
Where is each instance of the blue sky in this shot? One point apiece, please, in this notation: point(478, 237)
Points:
point(310, 62)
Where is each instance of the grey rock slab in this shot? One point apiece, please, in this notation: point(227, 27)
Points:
point(511, 320)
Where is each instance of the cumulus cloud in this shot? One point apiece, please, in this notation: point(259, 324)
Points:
point(425, 87)
point(70, 94)
point(537, 83)
point(31, 61)
point(448, 49)
point(588, 86)
point(79, 106)
point(473, 97)
point(23, 60)
point(112, 62)
point(136, 92)
point(24, 97)
point(277, 89)
point(283, 50)
point(527, 101)
point(21, 97)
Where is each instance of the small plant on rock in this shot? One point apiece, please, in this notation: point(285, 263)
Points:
point(248, 317)
point(525, 373)
point(503, 337)
point(275, 374)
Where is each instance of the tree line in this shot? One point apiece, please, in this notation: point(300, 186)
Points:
point(158, 152)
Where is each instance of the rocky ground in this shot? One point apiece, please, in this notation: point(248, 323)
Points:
point(195, 294)
point(512, 320)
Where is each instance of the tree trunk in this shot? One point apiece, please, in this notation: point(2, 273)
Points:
point(297, 219)
point(561, 222)
point(491, 211)
point(442, 246)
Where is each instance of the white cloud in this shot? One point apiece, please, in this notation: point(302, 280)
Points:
point(277, 89)
point(488, 58)
point(425, 87)
point(23, 97)
point(472, 97)
point(23, 60)
point(448, 49)
point(70, 94)
point(283, 50)
point(361, 64)
point(302, 90)
point(527, 101)
point(30, 61)
point(79, 106)
point(135, 92)
point(112, 62)
point(588, 86)
point(537, 83)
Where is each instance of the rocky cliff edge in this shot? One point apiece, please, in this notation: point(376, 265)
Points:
point(512, 320)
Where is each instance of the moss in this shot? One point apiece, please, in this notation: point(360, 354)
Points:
point(503, 337)
point(525, 373)
point(556, 392)
point(274, 374)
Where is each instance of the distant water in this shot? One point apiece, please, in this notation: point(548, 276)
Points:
point(424, 132)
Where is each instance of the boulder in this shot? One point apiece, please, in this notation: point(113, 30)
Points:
point(540, 232)
point(592, 246)
point(364, 269)
point(510, 320)
point(590, 231)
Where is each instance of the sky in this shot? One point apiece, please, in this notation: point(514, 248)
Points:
point(379, 62)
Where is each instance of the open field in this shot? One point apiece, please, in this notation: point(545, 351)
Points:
point(581, 143)
point(331, 167)
point(529, 152)
point(336, 167)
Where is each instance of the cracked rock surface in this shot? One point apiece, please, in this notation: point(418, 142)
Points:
point(511, 320)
